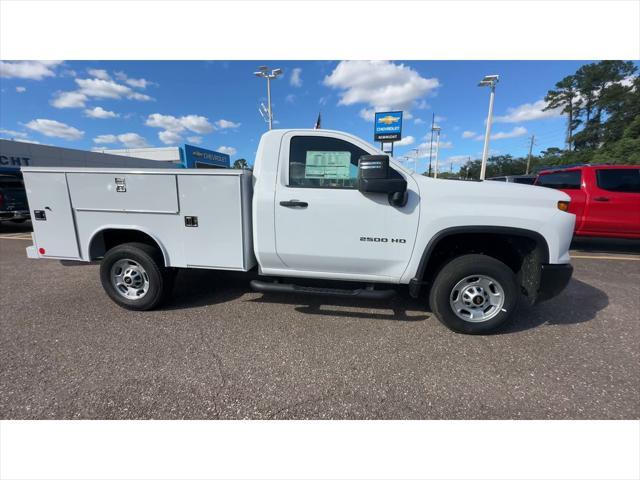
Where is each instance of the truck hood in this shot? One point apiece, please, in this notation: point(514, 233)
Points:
point(489, 192)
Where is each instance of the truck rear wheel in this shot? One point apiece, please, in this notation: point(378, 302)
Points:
point(134, 277)
point(474, 294)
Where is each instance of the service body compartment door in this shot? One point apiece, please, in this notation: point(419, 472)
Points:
point(51, 214)
point(211, 207)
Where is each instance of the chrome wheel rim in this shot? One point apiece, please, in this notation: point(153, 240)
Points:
point(129, 279)
point(477, 298)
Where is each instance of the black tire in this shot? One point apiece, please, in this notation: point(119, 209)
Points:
point(465, 266)
point(150, 258)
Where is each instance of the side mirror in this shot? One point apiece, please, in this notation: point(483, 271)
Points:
point(375, 176)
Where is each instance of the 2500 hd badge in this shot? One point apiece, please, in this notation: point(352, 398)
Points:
point(382, 240)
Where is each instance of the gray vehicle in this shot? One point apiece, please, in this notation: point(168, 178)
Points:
point(13, 199)
point(524, 179)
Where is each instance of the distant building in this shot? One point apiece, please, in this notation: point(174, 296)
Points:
point(189, 156)
point(16, 154)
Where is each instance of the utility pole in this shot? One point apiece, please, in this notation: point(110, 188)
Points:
point(433, 119)
point(529, 157)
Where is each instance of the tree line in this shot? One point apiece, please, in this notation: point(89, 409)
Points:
point(601, 102)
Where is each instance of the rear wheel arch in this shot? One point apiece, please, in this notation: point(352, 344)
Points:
point(107, 238)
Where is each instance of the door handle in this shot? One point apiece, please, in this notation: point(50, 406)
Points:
point(294, 203)
point(601, 199)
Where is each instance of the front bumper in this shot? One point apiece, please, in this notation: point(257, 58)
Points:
point(553, 279)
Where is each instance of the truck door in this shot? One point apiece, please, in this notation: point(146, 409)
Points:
point(53, 225)
point(614, 201)
point(325, 226)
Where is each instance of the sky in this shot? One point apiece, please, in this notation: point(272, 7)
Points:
point(131, 104)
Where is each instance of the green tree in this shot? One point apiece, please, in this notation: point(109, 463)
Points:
point(565, 96)
point(241, 163)
point(599, 86)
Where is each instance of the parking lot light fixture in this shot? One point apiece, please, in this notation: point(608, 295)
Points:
point(263, 72)
point(488, 81)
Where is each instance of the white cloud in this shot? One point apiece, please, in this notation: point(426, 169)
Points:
point(226, 124)
point(28, 69)
point(516, 132)
point(227, 150)
point(291, 98)
point(418, 121)
point(169, 137)
point(95, 87)
point(69, 100)
point(195, 140)
point(468, 134)
point(132, 140)
point(296, 80)
point(381, 85)
point(168, 122)
point(128, 140)
point(527, 112)
point(174, 126)
point(53, 128)
point(99, 73)
point(406, 141)
point(140, 96)
point(105, 139)
point(194, 123)
point(20, 89)
point(12, 133)
point(134, 82)
point(198, 123)
point(99, 112)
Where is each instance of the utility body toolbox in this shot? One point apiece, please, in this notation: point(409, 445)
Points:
point(202, 218)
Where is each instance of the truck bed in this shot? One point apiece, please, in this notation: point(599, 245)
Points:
point(198, 218)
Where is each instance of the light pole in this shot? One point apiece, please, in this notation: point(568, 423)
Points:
point(437, 130)
point(416, 155)
point(263, 72)
point(488, 81)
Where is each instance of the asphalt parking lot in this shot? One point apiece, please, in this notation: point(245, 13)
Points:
point(219, 350)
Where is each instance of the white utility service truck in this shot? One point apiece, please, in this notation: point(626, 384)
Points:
point(319, 205)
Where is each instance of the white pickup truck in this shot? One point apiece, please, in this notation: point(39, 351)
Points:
point(319, 204)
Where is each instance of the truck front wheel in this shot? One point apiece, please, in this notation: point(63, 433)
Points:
point(474, 294)
point(134, 277)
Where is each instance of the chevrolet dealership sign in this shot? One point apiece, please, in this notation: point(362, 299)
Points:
point(388, 126)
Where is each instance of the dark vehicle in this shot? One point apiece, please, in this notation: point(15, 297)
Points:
point(526, 179)
point(13, 199)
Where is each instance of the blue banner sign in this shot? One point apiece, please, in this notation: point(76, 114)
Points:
point(195, 157)
point(388, 126)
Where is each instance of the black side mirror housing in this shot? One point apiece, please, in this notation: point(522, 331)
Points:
point(375, 176)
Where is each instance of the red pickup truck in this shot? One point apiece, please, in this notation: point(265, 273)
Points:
point(604, 198)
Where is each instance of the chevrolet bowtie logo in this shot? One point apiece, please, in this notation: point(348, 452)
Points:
point(388, 120)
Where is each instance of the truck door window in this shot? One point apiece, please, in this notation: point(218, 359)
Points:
point(323, 162)
point(619, 180)
point(561, 180)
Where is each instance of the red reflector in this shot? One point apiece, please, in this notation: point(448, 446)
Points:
point(41, 251)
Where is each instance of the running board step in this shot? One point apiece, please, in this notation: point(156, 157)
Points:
point(271, 287)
